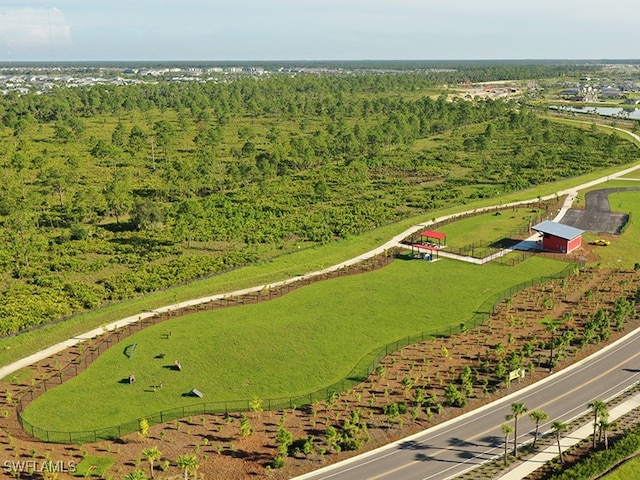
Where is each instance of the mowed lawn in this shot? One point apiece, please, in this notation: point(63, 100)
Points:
point(629, 470)
point(488, 227)
point(624, 251)
point(294, 345)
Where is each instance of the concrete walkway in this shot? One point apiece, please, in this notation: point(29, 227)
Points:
point(524, 245)
point(530, 465)
point(395, 241)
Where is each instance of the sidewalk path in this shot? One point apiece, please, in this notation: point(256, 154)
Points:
point(530, 465)
point(395, 241)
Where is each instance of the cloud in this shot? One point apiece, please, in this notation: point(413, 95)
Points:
point(34, 28)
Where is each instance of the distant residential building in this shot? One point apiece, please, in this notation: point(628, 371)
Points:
point(578, 94)
point(570, 92)
point(611, 92)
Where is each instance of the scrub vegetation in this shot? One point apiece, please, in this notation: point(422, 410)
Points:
point(110, 193)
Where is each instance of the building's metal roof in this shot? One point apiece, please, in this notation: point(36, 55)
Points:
point(558, 230)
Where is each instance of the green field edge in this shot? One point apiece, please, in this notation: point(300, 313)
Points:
point(363, 368)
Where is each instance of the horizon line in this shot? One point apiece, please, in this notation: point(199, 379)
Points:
point(329, 60)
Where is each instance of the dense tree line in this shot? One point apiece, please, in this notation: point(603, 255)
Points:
point(110, 192)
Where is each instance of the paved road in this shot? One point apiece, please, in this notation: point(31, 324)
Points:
point(447, 450)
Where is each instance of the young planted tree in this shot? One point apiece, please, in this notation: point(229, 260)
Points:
point(558, 429)
point(454, 397)
point(245, 426)
point(604, 426)
point(255, 405)
point(136, 475)
point(188, 464)
point(506, 430)
point(152, 454)
point(284, 438)
point(537, 416)
point(517, 410)
point(552, 327)
point(143, 428)
point(599, 410)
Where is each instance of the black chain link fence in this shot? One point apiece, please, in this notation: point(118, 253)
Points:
point(89, 351)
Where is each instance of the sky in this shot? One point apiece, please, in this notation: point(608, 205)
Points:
point(224, 30)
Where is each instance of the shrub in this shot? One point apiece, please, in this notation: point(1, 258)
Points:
point(600, 462)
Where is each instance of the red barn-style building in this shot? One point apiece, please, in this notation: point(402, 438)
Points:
point(557, 237)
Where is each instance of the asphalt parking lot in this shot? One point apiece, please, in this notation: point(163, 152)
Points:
point(596, 216)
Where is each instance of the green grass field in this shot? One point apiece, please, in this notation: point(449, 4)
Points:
point(294, 345)
point(488, 227)
point(627, 471)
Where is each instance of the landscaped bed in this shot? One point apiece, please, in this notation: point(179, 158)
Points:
point(225, 452)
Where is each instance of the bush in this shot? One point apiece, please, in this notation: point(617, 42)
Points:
point(278, 462)
point(602, 461)
point(78, 232)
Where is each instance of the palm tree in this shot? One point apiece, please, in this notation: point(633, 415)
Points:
point(558, 428)
point(517, 409)
point(551, 326)
point(537, 416)
point(188, 464)
point(152, 455)
point(506, 429)
point(599, 408)
point(604, 426)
